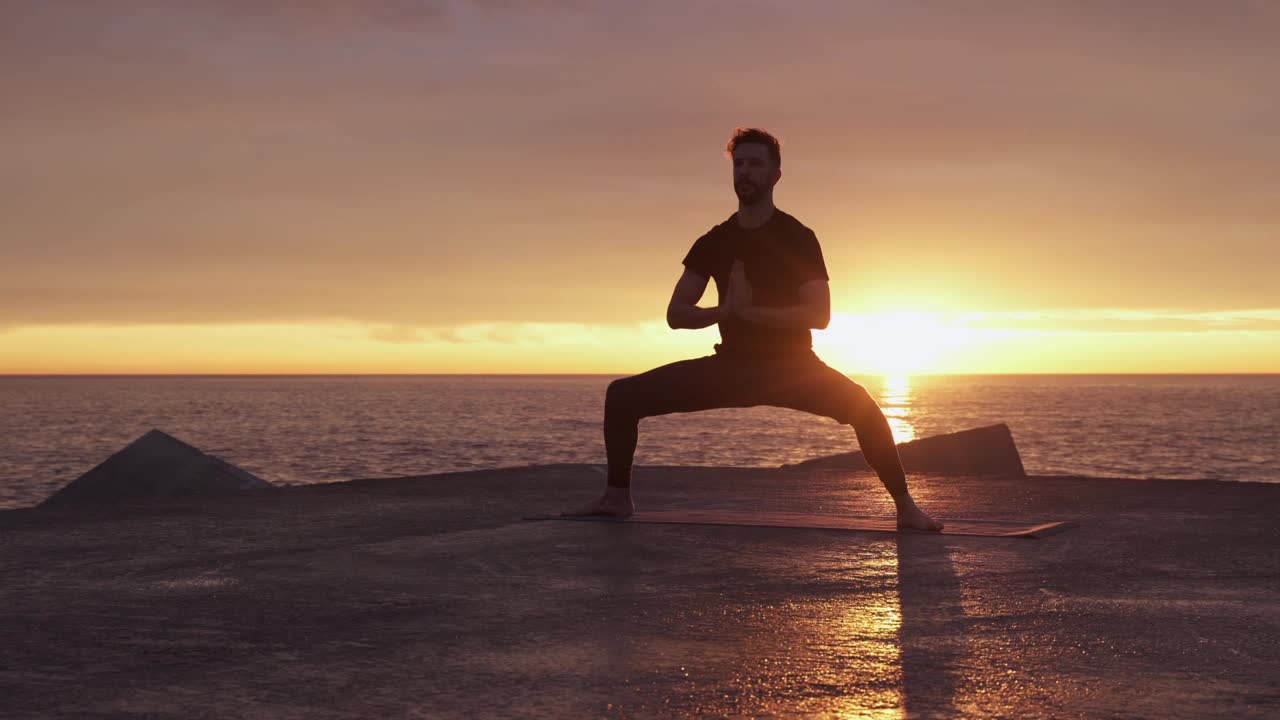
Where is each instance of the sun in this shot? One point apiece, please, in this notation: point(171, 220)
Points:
point(889, 343)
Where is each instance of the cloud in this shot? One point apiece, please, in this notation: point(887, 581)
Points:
point(508, 333)
point(538, 335)
point(295, 15)
point(1127, 321)
point(138, 19)
point(399, 334)
point(289, 161)
point(138, 28)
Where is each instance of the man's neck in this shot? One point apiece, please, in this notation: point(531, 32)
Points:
point(753, 216)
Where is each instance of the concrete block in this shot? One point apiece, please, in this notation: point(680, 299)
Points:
point(155, 465)
point(986, 450)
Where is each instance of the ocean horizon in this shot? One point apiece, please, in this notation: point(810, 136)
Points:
point(308, 428)
point(855, 376)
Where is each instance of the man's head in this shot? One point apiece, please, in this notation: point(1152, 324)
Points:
point(757, 164)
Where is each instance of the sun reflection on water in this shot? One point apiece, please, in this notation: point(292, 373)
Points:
point(895, 401)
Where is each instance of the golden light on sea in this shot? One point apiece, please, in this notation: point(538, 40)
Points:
point(895, 402)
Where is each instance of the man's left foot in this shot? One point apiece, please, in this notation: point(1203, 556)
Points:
point(616, 502)
point(911, 516)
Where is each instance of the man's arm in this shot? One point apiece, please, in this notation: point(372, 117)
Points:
point(682, 311)
point(814, 310)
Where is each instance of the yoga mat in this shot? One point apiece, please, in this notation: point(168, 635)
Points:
point(872, 523)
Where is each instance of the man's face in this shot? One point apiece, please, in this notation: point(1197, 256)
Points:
point(753, 172)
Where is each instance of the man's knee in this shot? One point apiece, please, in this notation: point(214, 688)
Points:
point(619, 395)
point(857, 403)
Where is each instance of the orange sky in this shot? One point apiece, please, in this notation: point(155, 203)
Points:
point(486, 186)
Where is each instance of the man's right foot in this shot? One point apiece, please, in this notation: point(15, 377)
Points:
point(911, 516)
point(616, 502)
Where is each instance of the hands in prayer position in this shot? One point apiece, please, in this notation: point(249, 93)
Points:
point(737, 300)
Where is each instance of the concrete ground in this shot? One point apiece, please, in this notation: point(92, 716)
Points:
point(429, 597)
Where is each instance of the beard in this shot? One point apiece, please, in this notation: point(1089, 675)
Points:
point(748, 193)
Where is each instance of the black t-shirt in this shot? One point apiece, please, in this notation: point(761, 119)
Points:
point(778, 258)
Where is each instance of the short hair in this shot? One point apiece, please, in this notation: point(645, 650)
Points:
point(756, 135)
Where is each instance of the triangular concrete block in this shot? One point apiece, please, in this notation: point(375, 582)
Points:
point(155, 465)
point(986, 450)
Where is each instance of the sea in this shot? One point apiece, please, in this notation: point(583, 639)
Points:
point(315, 429)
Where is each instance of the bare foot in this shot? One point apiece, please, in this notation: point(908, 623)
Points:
point(911, 516)
point(616, 502)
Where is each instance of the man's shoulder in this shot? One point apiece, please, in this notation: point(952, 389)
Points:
point(784, 221)
point(727, 224)
point(793, 226)
point(720, 228)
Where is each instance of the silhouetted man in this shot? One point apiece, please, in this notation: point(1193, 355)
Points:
point(771, 282)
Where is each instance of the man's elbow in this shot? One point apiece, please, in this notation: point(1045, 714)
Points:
point(822, 318)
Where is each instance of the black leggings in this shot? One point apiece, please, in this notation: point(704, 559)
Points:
point(800, 381)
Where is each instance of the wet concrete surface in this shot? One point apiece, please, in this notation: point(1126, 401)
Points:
point(429, 597)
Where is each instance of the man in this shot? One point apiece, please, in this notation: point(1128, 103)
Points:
point(771, 282)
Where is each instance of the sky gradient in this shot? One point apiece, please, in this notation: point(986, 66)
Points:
point(505, 186)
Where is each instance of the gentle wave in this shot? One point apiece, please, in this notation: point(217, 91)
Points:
point(305, 429)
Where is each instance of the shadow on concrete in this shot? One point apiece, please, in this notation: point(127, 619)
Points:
point(615, 563)
point(931, 634)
